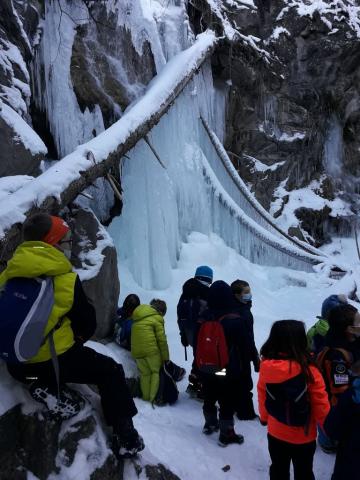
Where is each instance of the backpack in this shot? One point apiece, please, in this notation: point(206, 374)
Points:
point(212, 351)
point(25, 307)
point(168, 392)
point(334, 364)
point(189, 311)
point(124, 334)
point(289, 401)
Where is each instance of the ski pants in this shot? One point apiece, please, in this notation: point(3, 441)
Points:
point(84, 365)
point(282, 453)
point(244, 406)
point(218, 389)
point(149, 368)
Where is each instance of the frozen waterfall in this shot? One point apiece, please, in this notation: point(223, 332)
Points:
point(194, 193)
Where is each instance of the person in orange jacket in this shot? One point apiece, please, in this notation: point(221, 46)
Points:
point(292, 400)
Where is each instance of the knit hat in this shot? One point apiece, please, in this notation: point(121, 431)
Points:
point(58, 230)
point(221, 298)
point(204, 272)
point(332, 302)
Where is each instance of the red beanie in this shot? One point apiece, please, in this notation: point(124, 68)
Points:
point(58, 230)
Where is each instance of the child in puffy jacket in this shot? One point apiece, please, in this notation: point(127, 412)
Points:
point(292, 400)
point(149, 348)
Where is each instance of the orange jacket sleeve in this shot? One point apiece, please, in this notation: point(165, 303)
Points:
point(319, 400)
point(261, 388)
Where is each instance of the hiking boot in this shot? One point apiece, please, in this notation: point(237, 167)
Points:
point(211, 424)
point(67, 405)
point(227, 434)
point(230, 437)
point(126, 441)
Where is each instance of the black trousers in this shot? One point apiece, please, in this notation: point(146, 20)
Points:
point(218, 389)
point(244, 405)
point(83, 365)
point(282, 453)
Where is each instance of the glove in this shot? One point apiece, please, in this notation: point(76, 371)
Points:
point(184, 341)
point(263, 423)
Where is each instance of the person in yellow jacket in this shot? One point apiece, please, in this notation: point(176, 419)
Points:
point(46, 252)
point(149, 348)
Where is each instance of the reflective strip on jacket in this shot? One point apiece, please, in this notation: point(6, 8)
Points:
point(278, 371)
point(33, 259)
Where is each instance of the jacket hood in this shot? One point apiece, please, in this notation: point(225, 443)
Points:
point(193, 288)
point(144, 311)
point(32, 259)
point(277, 371)
point(221, 299)
point(331, 302)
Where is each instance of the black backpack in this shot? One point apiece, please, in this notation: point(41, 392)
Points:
point(189, 311)
point(167, 392)
point(289, 401)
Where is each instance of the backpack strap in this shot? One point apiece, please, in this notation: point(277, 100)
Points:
point(54, 358)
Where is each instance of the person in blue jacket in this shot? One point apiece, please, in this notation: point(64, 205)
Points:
point(343, 425)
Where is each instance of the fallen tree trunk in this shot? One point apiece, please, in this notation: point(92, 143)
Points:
point(63, 182)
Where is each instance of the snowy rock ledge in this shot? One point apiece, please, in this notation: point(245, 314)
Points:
point(95, 261)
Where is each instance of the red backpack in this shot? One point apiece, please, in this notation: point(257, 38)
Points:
point(212, 351)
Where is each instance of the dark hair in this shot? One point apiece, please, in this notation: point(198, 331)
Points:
point(340, 318)
point(159, 305)
point(287, 340)
point(238, 286)
point(36, 226)
point(130, 303)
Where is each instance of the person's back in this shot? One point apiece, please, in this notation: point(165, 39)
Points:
point(292, 400)
point(149, 348)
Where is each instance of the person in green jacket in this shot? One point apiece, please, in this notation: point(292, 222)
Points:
point(149, 348)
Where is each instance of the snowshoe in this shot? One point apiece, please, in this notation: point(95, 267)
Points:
point(67, 405)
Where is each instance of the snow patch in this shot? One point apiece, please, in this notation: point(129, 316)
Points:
point(23, 132)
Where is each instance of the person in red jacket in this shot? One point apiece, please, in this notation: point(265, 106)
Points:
point(292, 400)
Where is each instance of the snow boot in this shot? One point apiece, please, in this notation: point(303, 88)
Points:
point(227, 434)
point(62, 407)
point(211, 423)
point(126, 440)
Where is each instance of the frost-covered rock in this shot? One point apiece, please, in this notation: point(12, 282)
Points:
point(95, 259)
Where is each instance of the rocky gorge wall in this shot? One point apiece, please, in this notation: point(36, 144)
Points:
point(293, 115)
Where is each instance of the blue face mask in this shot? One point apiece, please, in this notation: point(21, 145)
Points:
point(247, 297)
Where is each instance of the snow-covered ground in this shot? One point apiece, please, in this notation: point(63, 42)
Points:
point(173, 434)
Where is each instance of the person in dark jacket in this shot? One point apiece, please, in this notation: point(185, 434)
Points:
point(122, 331)
point(190, 308)
point(343, 425)
point(220, 388)
point(341, 350)
point(317, 333)
point(243, 301)
point(45, 251)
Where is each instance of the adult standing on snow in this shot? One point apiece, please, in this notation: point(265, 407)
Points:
point(220, 387)
point(46, 252)
point(243, 301)
point(190, 308)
